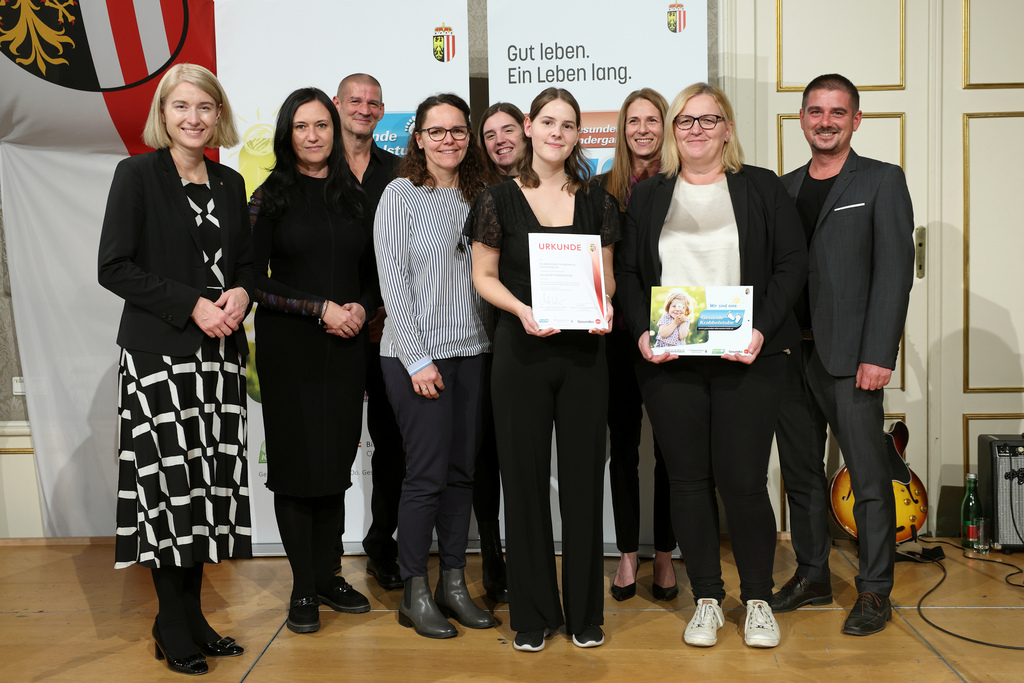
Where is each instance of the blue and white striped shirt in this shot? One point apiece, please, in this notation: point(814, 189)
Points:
point(426, 279)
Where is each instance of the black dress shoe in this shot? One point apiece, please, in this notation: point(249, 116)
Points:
point(661, 593)
point(798, 592)
point(386, 572)
point(304, 615)
point(225, 647)
point(621, 593)
point(190, 665)
point(868, 615)
point(342, 597)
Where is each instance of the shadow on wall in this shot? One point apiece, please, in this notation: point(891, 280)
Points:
point(85, 491)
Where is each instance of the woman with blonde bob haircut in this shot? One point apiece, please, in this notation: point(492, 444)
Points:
point(709, 220)
point(224, 133)
point(177, 247)
point(732, 153)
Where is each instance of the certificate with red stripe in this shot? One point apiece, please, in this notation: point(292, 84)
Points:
point(567, 281)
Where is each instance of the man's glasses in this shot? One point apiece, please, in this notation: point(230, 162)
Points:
point(437, 133)
point(707, 121)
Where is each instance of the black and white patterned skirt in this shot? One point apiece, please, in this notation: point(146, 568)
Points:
point(183, 482)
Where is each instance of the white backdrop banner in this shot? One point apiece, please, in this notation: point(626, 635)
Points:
point(601, 55)
point(265, 50)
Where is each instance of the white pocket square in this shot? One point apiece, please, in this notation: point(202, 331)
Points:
point(848, 206)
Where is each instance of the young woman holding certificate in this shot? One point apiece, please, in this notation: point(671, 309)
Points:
point(542, 376)
point(707, 219)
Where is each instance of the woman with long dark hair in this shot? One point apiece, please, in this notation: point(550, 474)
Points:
point(435, 357)
point(501, 135)
point(310, 230)
point(501, 139)
point(176, 247)
point(543, 377)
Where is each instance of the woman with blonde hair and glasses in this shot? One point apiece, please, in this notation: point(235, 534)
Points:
point(707, 219)
point(641, 127)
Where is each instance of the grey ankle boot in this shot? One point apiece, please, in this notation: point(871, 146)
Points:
point(453, 600)
point(418, 610)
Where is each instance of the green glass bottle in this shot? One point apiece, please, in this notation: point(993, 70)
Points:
point(970, 511)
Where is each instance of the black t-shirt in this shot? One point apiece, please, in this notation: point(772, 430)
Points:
point(379, 172)
point(808, 204)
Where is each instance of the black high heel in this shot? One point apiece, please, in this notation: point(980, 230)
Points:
point(662, 593)
point(225, 647)
point(621, 593)
point(192, 665)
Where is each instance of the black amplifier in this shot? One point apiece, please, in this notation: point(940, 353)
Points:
point(1001, 487)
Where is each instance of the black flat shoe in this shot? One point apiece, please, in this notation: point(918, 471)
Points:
point(342, 597)
point(304, 615)
point(661, 593)
point(386, 572)
point(621, 593)
point(192, 665)
point(225, 647)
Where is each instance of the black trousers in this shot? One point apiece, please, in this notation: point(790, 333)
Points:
point(625, 415)
point(487, 476)
point(441, 439)
point(715, 420)
point(536, 383)
point(815, 399)
point(388, 462)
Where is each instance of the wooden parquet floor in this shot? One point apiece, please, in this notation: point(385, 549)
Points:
point(67, 615)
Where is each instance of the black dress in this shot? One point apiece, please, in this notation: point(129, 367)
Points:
point(311, 382)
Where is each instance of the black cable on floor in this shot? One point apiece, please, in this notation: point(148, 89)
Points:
point(925, 560)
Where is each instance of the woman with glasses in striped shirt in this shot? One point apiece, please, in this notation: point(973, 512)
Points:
point(435, 354)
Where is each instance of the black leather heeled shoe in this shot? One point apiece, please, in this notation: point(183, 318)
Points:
point(621, 593)
point(225, 647)
point(192, 665)
point(662, 593)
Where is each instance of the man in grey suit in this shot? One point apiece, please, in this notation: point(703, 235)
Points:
point(859, 224)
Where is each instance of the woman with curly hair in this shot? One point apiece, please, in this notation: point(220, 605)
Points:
point(435, 354)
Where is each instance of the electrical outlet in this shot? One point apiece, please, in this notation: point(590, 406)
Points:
point(19, 386)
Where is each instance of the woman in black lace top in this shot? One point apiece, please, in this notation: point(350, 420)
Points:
point(310, 228)
point(543, 377)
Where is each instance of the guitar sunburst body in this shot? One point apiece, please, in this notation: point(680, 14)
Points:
point(907, 488)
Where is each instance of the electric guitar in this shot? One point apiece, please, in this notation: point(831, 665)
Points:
point(911, 498)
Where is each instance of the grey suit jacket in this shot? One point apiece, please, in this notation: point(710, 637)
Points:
point(861, 264)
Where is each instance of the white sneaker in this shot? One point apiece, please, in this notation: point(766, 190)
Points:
point(760, 628)
point(702, 630)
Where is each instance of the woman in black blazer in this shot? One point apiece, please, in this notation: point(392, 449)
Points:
point(176, 247)
point(707, 219)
